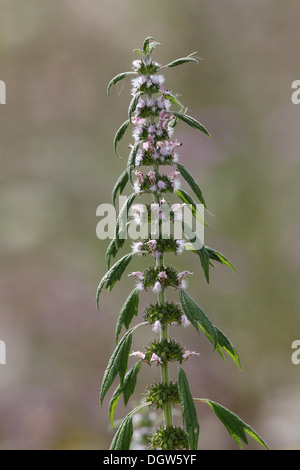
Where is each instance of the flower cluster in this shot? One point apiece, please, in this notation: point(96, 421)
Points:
point(170, 438)
point(160, 394)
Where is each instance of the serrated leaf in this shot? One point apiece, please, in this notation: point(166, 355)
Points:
point(117, 79)
point(146, 45)
point(182, 60)
point(127, 389)
point(131, 160)
point(189, 414)
point(236, 427)
point(123, 436)
point(113, 275)
point(201, 252)
point(217, 256)
point(119, 135)
point(192, 183)
point(133, 103)
point(224, 343)
point(117, 364)
point(191, 122)
point(197, 317)
point(128, 311)
point(119, 186)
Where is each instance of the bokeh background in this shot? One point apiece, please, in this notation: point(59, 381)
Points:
point(58, 165)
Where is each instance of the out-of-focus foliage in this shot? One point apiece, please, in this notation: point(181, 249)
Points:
point(58, 165)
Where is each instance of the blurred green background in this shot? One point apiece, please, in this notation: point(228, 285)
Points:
point(58, 165)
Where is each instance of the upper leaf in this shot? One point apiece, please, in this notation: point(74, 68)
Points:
point(217, 256)
point(182, 60)
point(145, 47)
point(113, 275)
point(196, 316)
point(190, 180)
point(129, 309)
point(234, 425)
point(191, 122)
point(120, 185)
point(117, 79)
point(189, 414)
point(119, 134)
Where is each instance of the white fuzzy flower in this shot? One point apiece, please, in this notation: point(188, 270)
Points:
point(189, 353)
point(137, 274)
point(162, 276)
point(157, 287)
point(137, 247)
point(155, 358)
point(185, 321)
point(138, 354)
point(157, 326)
point(180, 246)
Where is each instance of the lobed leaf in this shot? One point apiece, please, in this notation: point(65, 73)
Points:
point(189, 414)
point(217, 256)
point(191, 122)
point(196, 316)
point(113, 275)
point(224, 343)
point(234, 425)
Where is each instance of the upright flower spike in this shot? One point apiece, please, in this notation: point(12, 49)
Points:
point(154, 148)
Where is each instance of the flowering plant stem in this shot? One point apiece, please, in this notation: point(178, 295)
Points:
point(153, 148)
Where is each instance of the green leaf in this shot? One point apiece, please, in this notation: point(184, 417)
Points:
point(127, 389)
point(119, 186)
point(234, 425)
point(133, 103)
point(196, 316)
point(111, 252)
point(182, 60)
point(117, 79)
point(190, 180)
point(128, 311)
point(187, 199)
point(119, 134)
point(174, 100)
point(191, 122)
point(120, 227)
point(224, 343)
point(201, 252)
point(117, 364)
point(146, 45)
point(217, 256)
point(113, 275)
point(152, 46)
point(123, 436)
point(131, 160)
point(189, 414)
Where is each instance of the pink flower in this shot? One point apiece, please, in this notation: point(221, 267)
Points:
point(153, 188)
point(162, 276)
point(155, 358)
point(157, 287)
point(137, 274)
point(138, 354)
point(180, 246)
point(189, 353)
point(185, 321)
point(173, 175)
point(180, 278)
point(157, 326)
point(152, 176)
point(161, 185)
point(137, 247)
point(152, 244)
